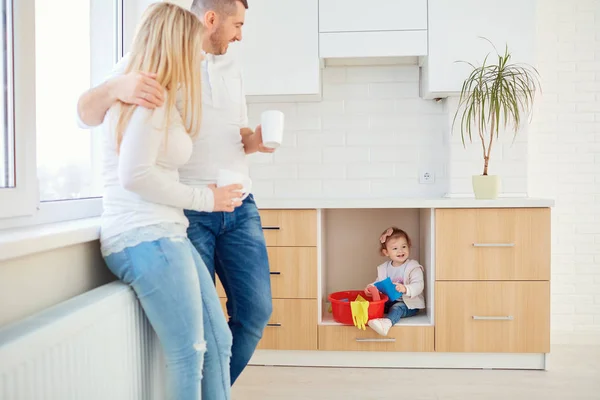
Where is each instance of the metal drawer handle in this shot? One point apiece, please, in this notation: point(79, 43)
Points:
point(506, 318)
point(271, 228)
point(274, 325)
point(493, 245)
point(376, 340)
point(275, 273)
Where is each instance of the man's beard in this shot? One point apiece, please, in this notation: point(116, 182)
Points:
point(218, 42)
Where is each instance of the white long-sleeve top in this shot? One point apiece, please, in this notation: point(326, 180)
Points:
point(224, 112)
point(141, 183)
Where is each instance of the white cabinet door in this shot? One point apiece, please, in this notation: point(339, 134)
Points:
point(454, 29)
point(372, 15)
point(280, 48)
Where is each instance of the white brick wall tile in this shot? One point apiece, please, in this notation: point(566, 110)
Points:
point(417, 105)
point(355, 91)
point(262, 189)
point(403, 188)
point(290, 139)
point(297, 155)
point(370, 107)
point(269, 172)
point(388, 91)
point(321, 171)
point(410, 170)
point(261, 158)
point(321, 108)
point(320, 139)
point(302, 123)
point(255, 109)
point(366, 138)
point(347, 188)
point(286, 189)
point(370, 170)
point(346, 122)
point(345, 155)
point(395, 154)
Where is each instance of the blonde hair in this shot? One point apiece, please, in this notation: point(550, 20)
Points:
point(168, 42)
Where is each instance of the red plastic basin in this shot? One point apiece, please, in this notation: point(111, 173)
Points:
point(340, 305)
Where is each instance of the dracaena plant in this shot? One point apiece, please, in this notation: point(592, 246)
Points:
point(493, 96)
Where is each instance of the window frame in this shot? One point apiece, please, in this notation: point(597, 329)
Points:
point(21, 200)
point(21, 206)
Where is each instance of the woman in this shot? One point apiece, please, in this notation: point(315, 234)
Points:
point(143, 230)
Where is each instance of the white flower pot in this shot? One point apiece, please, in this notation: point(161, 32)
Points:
point(486, 187)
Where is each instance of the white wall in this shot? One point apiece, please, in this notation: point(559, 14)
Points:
point(372, 135)
point(565, 161)
point(369, 137)
point(33, 283)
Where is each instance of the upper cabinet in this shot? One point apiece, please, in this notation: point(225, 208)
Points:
point(377, 28)
point(454, 30)
point(280, 48)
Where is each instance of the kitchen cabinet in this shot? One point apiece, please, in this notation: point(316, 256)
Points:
point(291, 239)
point(380, 15)
point(279, 52)
point(454, 30)
point(384, 28)
point(487, 283)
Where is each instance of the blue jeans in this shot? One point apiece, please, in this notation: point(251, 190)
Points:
point(182, 305)
point(233, 246)
point(397, 310)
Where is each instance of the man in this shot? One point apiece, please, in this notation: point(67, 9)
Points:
point(231, 244)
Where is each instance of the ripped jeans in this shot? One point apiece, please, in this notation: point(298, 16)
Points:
point(179, 298)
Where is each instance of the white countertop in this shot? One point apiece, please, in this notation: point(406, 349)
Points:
point(23, 241)
point(440, 202)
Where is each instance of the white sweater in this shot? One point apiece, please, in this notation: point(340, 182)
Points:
point(141, 183)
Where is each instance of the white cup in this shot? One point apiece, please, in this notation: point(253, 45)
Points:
point(272, 128)
point(228, 177)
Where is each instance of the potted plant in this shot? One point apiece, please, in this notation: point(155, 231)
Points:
point(492, 97)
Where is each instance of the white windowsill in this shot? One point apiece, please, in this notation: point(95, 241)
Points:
point(19, 242)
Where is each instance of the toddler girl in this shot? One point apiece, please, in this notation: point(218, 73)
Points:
point(405, 273)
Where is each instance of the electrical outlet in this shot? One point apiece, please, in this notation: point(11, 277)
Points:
point(426, 177)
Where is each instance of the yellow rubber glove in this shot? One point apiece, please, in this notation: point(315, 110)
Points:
point(365, 311)
point(356, 310)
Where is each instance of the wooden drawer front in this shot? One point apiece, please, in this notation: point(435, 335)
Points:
point(293, 325)
point(293, 273)
point(400, 338)
point(493, 244)
point(492, 317)
point(289, 227)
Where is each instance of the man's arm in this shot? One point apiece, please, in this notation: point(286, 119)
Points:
point(133, 88)
point(252, 141)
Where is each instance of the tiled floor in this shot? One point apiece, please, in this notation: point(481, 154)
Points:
point(574, 374)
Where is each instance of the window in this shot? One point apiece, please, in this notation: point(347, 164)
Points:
point(49, 167)
point(84, 42)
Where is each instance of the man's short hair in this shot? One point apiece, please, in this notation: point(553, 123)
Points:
point(221, 6)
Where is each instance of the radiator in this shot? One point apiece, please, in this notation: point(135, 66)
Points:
point(98, 345)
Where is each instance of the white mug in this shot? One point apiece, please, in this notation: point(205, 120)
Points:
point(272, 128)
point(228, 177)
